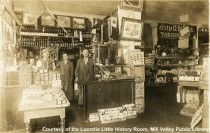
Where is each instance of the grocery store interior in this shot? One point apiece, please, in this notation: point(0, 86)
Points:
point(104, 66)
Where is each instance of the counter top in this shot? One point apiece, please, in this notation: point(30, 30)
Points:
point(108, 80)
point(33, 99)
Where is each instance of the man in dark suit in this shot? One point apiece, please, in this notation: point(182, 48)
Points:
point(83, 72)
point(67, 73)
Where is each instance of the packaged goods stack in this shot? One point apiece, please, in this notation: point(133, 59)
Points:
point(36, 97)
point(188, 75)
point(130, 111)
point(204, 77)
point(191, 98)
point(139, 95)
point(197, 117)
point(111, 115)
point(46, 77)
point(187, 90)
point(25, 76)
point(55, 78)
point(94, 117)
point(139, 73)
point(204, 86)
point(189, 109)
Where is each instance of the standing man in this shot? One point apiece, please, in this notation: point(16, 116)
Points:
point(83, 72)
point(67, 77)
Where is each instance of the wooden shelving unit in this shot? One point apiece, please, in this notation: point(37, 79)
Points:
point(175, 65)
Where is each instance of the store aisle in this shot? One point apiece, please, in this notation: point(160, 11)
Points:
point(162, 110)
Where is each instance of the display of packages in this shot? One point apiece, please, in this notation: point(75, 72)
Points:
point(189, 109)
point(37, 97)
point(130, 111)
point(192, 96)
point(111, 115)
point(94, 117)
point(139, 95)
point(137, 58)
point(186, 75)
point(45, 77)
point(25, 76)
point(204, 77)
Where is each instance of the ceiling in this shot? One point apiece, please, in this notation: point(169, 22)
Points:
point(157, 10)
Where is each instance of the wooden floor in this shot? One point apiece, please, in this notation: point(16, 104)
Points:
point(162, 110)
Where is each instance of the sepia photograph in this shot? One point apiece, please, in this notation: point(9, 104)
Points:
point(131, 29)
point(104, 66)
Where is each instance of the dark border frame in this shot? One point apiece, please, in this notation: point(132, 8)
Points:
point(124, 20)
point(79, 18)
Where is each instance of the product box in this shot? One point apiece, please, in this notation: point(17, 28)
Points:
point(46, 20)
point(56, 83)
point(28, 19)
point(94, 117)
point(64, 21)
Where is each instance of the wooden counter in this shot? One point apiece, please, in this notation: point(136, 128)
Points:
point(107, 94)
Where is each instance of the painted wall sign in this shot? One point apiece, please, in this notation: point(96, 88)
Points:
point(172, 30)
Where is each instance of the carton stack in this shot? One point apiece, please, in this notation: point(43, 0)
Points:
point(25, 76)
point(111, 115)
point(129, 111)
point(139, 95)
point(42, 77)
point(45, 77)
point(36, 97)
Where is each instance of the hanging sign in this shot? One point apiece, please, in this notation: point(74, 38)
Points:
point(173, 30)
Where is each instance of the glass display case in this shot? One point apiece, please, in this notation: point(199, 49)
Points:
point(109, 72)
point(111, 61)
point(111, 53)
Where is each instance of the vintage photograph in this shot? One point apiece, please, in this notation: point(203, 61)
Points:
point(78, 23)
point(104, 66)
point(63, 21)
point(131, 29)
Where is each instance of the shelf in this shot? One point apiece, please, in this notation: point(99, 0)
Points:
point(160, 84)
point(63, 46)
point(112, 65)
point(188, 83)
point(39, 34)
point(203, 44)
point(169, 65)
point(175, 57)
point(163, 74)
point(118, 65)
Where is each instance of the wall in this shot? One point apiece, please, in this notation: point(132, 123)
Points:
point(9, 95)
point(2, 91)
point(37, 13)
